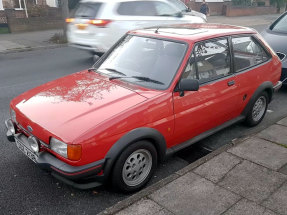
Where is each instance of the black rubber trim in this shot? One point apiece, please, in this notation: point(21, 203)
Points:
point(263, 87)
point(131, 137)
point(81, 186)
point(49, 162)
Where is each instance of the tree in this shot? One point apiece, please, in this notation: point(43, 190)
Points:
point(279, 4)
point(73, 4)
point(65, 14)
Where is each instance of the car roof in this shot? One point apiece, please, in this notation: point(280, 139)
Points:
point(194, 32)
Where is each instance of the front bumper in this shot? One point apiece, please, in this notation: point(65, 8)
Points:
point(81, 177)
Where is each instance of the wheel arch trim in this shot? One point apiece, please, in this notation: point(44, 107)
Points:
point(138, 134)
point(265, 86)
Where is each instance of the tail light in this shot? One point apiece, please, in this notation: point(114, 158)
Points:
point(70, 20)
point(99, 22)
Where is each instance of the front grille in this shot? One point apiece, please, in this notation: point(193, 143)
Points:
point(281, 55)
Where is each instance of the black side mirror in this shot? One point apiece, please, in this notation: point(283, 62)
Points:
point(188, 9)
point(188, 85)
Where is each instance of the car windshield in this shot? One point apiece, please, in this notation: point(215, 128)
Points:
point(179, 4)
point(281, 25)
point(88, 10)
point(148, 62)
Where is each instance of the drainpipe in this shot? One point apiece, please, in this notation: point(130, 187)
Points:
point(1, 5)
point(25, 8)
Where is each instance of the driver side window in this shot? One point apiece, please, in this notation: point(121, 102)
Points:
point(210, 61)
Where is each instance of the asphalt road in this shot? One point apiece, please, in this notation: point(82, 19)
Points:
point(25, 189)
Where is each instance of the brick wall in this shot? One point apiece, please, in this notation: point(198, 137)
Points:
point(3, 19)
point(248, 11)
point(34, 24)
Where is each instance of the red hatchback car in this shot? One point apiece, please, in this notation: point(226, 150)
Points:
point(156, 91)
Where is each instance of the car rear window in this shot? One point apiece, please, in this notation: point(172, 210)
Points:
point(88, 10)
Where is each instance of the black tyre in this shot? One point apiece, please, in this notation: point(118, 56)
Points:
point(134, 167)
point(257, 110)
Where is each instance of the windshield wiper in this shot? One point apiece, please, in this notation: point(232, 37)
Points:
point(141, 78)
point(114, 70)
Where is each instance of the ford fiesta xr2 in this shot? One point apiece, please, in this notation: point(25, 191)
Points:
point(156, 91)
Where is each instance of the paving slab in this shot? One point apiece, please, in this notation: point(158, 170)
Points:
point(278, 200)
point(217, 167)
point(252, 181)
point(275, 133)
point(261, 152)
point(192, 194)
point(245, 206)
point(143, 207)
point(283, 122)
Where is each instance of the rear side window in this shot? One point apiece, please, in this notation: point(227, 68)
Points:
point(210, 61)
point(88, 10)
point(247, 53)
point(137, 8)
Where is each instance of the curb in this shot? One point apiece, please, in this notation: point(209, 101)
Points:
point(152, 188)
point(9, 51)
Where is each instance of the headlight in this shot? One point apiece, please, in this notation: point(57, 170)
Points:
point(34, 144)
point(70, 151)
point(59, 147)
point(13, 115)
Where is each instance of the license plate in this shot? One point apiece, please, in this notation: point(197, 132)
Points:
point(26, 151)
point(82, 26)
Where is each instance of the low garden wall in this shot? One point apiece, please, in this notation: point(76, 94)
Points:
point(34, 24)
point(229, 10)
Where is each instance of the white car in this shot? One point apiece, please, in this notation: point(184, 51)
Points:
point(186, 10)
point(98, 24)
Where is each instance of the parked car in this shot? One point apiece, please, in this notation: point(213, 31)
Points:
point(276, 36)
point(156, 91)
point(98, 24)
point(186, 10)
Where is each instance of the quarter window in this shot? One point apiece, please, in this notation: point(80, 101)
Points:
point(210, 61)
point(164, 9)
point(247, 53)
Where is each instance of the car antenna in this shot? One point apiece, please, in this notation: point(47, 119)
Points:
point(156, 31)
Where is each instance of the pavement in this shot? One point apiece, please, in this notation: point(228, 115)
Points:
point(248, 176)
point(27, 41)
point(40, 39)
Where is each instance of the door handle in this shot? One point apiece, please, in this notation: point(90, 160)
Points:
point(230, 83)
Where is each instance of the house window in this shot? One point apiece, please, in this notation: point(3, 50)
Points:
point(8, 4)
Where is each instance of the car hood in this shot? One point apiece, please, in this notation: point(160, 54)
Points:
point(70, 106)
